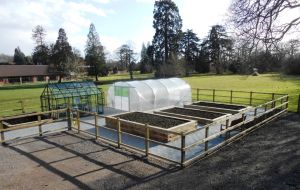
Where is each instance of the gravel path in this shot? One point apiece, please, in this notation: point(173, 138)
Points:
point(268, 158)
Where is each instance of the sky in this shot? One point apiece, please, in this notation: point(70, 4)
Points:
point(117, 21)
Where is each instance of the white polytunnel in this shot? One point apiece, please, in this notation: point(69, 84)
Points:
point(146, 95)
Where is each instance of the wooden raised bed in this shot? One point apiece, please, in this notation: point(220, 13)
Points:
point(237, 111)
point(219, 107)
point(161, 126)
point(202, 116)
point(23, 121)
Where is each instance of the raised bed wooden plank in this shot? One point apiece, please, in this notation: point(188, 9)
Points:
point(201, 116)
point(136, 125)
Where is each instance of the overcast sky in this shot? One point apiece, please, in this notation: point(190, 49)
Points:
point(116, 21)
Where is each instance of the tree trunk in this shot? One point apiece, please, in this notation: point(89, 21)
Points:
point(96, 77)
point(59, 79)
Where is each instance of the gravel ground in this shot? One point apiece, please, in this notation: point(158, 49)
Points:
point(268, 158)
point(154, 120)
point(218, 105)
point(195, 113)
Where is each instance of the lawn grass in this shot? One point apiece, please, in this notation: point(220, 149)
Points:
point(11, 95)
point(276, 83)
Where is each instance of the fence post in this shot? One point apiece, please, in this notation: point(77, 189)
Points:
point(287, 100)
point(22, 106)
point(273, 98)
point(96, 126)
point(299, 104)
point(40, 125)
point(198, 94)
point(119, 133)
point(214, 94)
point(251, 94)
point(255, 112)
point(227, 125)
point(2, 138)
point(69, 118)
point(206, 135)
point(231, 96)
point(147, 136)
point(266, 107)
point(78, 121)
point(182, 150)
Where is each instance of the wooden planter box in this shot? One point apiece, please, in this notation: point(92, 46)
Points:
point(156, 133)
point(23, 121)
point(236, 110)
point(219, 107)
point(202, 115)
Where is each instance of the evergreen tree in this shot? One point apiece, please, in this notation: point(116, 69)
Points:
point(62, 55)
point(40, 55)
point(145, 63)
point(203, 59)
point(94, 54)
point(189, 48)
point(19, 57)
point(219, 45)
point(167, 24)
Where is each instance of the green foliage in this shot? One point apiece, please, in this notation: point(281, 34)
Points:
point(219, 44)
point(19, 57)
point(146, 59)
point(202, 64)
point(167, 24)
point(62, 55)
point(94, 54)
point(174, 67)
point(41, 55)
point(189, 48)
point(292, 65)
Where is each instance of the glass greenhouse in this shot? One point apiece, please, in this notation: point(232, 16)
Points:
point(149, 94)
point(80, 95)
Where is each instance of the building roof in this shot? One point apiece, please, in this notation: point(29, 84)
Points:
point(23, 70)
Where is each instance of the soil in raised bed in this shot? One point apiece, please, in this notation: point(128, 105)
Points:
point(217, 105)
point(24, 119)
point(151, 119)
point(194, 113)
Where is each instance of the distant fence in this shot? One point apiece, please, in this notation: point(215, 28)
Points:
point(14, 107)
point(250, 98)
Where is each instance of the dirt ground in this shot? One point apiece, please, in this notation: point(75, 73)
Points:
point(268, 158)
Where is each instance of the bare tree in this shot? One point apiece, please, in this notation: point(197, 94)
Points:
point(38, 34)
point(126, 57)
point(265, 21)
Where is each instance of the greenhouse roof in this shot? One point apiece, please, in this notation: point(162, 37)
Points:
point(71, 89)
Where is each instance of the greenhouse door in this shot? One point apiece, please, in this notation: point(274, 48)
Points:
point(122, 98)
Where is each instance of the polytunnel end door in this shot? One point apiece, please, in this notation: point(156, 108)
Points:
point(122, 98)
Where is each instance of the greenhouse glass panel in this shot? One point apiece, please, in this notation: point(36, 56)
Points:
point(79, 95)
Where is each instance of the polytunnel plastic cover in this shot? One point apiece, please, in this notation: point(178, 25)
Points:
point(149, 94)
